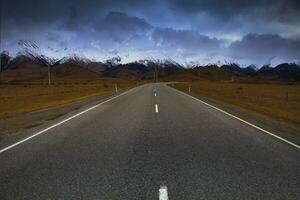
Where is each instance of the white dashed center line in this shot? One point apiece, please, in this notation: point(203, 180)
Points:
point(156, 108)
point(163, 193)
point(155, 94)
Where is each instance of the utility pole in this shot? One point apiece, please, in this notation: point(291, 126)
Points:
point(49, 77)
point(0, 61)
point(0, 43)
point(0, 58)
point(156, 75)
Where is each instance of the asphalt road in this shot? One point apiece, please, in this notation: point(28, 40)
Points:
point(127, 148)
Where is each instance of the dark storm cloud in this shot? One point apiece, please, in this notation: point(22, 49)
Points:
point(170, 38)
point(119, 26)
point(72, 21)
point(37, 11)
point(57, 10)
point(220, 9)
point(264, 47)
point(230, 8)
point(242, 17)
point(121, 21)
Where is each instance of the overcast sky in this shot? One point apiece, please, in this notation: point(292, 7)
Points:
point(188, 31)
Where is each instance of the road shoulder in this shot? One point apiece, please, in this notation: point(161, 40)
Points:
point(281, 128)
point(21, 126)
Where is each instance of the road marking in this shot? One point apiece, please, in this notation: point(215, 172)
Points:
point(163, 193)
point(63, 121)
point(241, 120)
point(155, 94)
point(156, 108)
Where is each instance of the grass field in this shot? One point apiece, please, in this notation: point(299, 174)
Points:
point(277, 100)
point(22, 97)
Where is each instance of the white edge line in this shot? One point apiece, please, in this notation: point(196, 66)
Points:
point(244, 121)
point(63, 121)
point(163, 193)
point(156, 108)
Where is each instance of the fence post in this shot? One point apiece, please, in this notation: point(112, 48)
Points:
point(116, 87)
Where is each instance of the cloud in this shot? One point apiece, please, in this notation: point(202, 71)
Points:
point(225, 10)
point(171, 38)
point(120, 27)
point(53, 37)
point(122, 21)
point(263, 47)
point(220, 9)
point(188, 29)
point(72, 21)
point(239, 17)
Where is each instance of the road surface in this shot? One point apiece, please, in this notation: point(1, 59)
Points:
point(151, 141)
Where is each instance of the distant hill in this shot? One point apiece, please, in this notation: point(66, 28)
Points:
point(127, 70)
point(143, 69)
point(5, 59)
point(70, 70)
point(232, 67)
point(214, 73)
point(97, 67)
point(22, 68)
point(250, 70)
point(282, 72)
point(232, 72)
point(208, 72)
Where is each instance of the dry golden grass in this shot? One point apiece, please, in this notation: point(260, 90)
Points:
point(276, 100)
point(29, 96)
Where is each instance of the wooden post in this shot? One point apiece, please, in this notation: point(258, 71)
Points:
point(116, 87)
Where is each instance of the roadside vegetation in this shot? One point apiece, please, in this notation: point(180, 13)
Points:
point(279, 100)
point(22, 97)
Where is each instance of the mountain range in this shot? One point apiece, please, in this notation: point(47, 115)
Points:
point(28, 65)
